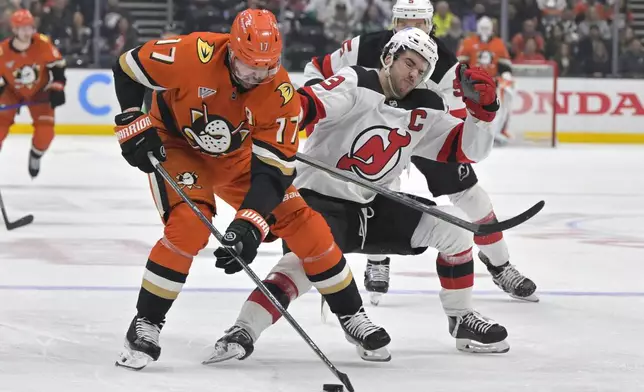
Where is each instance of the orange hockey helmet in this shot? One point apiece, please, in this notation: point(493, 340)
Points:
point(22, 18)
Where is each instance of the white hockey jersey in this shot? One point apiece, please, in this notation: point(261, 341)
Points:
point(365, 50)
point(353, 127)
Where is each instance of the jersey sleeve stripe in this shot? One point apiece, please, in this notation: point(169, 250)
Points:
point(452, 150)
point(459, 113)
point(313, 109)
point(131, 65)
point(267, 155)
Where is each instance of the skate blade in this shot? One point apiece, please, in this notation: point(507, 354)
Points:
point(224, 352)
point(381, 354)
point(375, 298)
point(473, 347)
point(132, 359)
point(529, 298)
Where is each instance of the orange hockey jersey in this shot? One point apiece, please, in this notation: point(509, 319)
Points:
point(28, 72)
point(490, 55)
point(199, 102)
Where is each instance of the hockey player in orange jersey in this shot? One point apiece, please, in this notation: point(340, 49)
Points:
point(32, 72)
point(488, 51)
point(224, 120)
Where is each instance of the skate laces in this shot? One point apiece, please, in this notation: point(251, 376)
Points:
point(510, 277)
point(378, 272)
point(359, 325)
point(235, 329)
point(476, 322)
point(148, 331)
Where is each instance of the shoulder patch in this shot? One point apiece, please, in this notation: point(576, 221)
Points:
point(287, 92)
point(204, 50)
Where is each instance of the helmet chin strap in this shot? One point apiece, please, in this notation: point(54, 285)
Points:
point(387, 69)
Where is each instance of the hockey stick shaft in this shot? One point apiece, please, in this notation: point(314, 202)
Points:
point(20, 104)
point(478, 229)
point(258, 282)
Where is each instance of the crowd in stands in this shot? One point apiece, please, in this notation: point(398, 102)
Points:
point(576, 34)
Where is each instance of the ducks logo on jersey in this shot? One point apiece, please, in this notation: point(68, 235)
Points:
point(214, 135)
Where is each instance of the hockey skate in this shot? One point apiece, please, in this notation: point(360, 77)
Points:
point(34, 162)
point(376, 279)
point(370, 339)
point(237, 343)
point(476, 334)
point(141, 344)
point(510, 280)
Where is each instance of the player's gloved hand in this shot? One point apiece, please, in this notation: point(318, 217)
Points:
point(478, 91)
point(56, 94)
point(137, 137)
point(244, 235)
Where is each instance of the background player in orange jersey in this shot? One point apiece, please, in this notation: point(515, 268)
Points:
point(32, 71)
point(488, 51)
point(225, 115)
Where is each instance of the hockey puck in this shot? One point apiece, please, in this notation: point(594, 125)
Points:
point(332, 388)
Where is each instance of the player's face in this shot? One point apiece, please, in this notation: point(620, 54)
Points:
point(24, 33)
point(407, 72)
point(418, 23)
point(249, 76)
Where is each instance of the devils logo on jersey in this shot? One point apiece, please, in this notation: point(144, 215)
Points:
point(375, 152)
point(26, 76)
point(214, 135)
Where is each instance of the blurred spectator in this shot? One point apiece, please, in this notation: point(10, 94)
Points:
point(442, 18)
point(454, 35)
point(125, 39)
point(528, 9)
point(470, 19)
point(569, 26)
point(382, 12)
point(554, 39)
point(112, 14)
point(10, 5)
point(55, 20)
point(5, 24)
point(551, 11)
point(530, 52)
point(625, 37)
point(338, 26)
point(582, 7)
point(372, 20)
point(625, 15)
point(566, 63)
point(631, 62)
point(592, 19)
point(78, 37)
point(325, 10)
point(593, 54)
point(515, 24)
point(203, 16)
point(529, 31)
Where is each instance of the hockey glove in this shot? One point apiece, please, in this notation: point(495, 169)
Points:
point(56, 94)
point(478, 91)
point(137, 137)
point(244, 235)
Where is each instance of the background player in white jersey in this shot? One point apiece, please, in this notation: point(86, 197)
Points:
point(370, 123)
point(456, 180)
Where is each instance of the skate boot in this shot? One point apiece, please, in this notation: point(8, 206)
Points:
point(370, 339)
point(237, 343)
point(510, 280)
point(34, 162)
point(476, 334)
point(141, 344)
point(376, 279)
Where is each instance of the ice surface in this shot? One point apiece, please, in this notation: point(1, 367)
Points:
point(69, 281)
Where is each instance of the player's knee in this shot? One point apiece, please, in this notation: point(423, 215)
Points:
point(306, 234)
point(442, 236)
point(43, 136)
point(291, 267)
point(185, 231)
point(474, 201)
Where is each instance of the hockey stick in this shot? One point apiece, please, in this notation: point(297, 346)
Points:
point(344, 379)
point(478, 229)
point(24, 221)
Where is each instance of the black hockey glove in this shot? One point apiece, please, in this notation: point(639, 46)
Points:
point(137, 137)
point(56, 94)
point(244, 235)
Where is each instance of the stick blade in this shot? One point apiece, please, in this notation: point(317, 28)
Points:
point(24, 221)
point(344, 379)
point(486, 229)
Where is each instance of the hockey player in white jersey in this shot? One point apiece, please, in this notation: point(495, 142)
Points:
point(456, 180)
point(370, 123)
